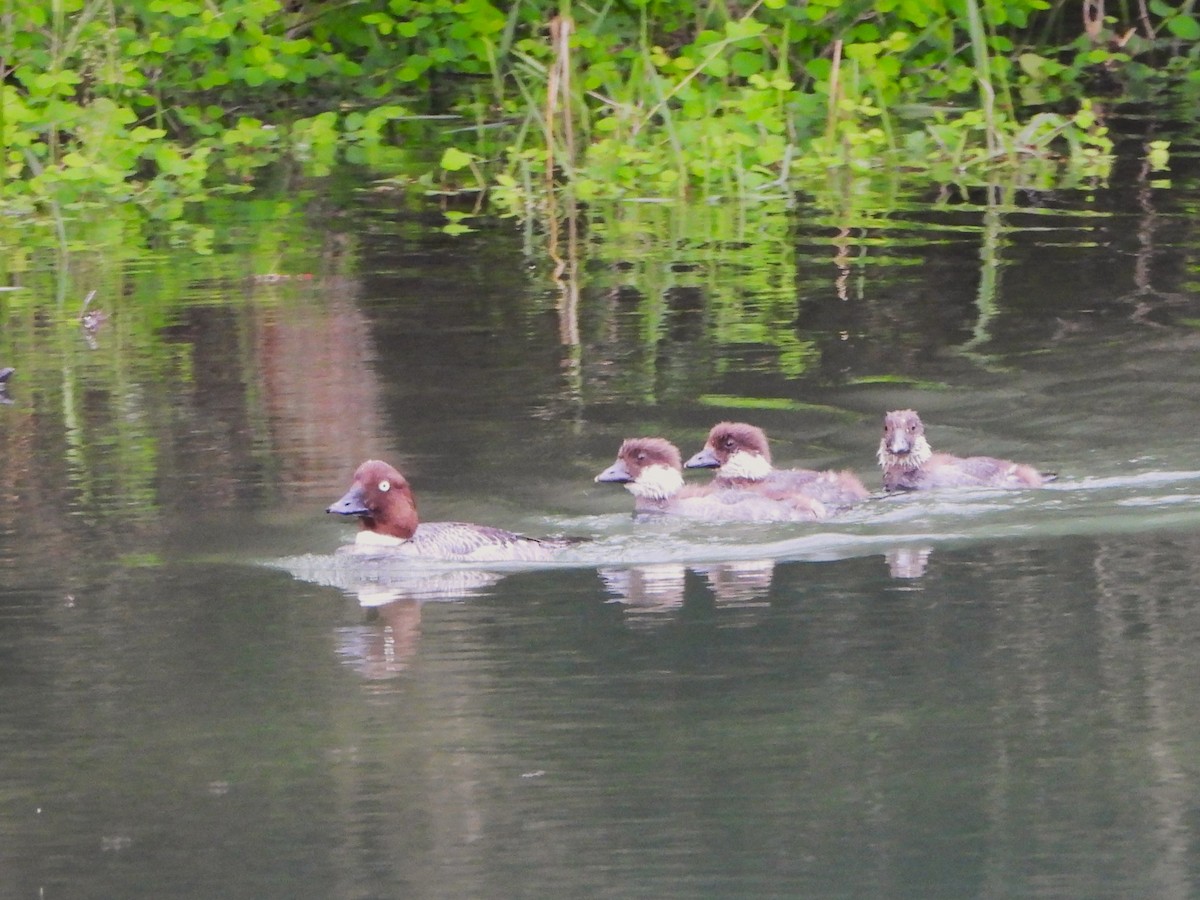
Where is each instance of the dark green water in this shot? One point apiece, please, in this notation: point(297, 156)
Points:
point(980, 694)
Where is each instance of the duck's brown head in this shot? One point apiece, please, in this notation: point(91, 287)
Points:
point(382, 499)
point(648, 467)
point(903, 443)
point(737, 450)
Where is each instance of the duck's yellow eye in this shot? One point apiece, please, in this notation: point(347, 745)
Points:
point(385, 485)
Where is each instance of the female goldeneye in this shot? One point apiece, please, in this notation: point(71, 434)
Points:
point(742, 458)
point(650, 469)
point(383, 501)
point(909, 463)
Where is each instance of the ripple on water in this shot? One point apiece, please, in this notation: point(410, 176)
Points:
point(1092, 506)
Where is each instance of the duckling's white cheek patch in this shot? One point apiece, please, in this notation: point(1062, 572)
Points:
point(750, 466)
point(656, 483)
point(914, 459)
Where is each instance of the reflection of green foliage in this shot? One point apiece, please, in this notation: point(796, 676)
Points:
point(140, 560)
point(104, 397)
point(898, 379)
point(742, 267)
point(699, 300)
point(773, 403)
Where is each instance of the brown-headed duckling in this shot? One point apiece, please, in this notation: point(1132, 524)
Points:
point(650, 469)
point(910, 464)
point(742, 457)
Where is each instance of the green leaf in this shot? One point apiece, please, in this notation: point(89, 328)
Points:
point(454, 159)
point(864, 53)
point(717, 68)
point(142, 134)
point(743, 29)
point(1184, 27)
point(218, 30)
point(745, 63)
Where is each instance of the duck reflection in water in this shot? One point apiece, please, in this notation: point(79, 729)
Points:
point(907, 562)
point(387, 643)
point(662, 587)
point(393, 596)
point(391, 636)
point(384, 647)
point(742, 583)
point(647, 589)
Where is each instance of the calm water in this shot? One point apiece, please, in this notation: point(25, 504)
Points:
point(983, 694)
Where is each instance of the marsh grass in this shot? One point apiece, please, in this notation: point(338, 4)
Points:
point(747, 103)
point(162, 104)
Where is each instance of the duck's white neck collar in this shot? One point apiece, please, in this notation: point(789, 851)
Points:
point(366, 538)
point(656, 483)
point(913, 459)
point(746, 466)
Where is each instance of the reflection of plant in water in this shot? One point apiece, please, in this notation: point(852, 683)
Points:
point(154, 394)
point(769, 290)
point(722, 286)
point(206, 360)
point(855, 286)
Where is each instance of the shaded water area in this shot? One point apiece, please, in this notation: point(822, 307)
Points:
point(982, 693)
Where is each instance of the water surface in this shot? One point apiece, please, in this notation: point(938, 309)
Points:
point(981, 694)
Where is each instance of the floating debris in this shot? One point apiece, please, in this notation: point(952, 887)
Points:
point(90, 320)
point(276, 277)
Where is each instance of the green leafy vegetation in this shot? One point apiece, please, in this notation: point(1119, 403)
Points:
point(159, 104)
